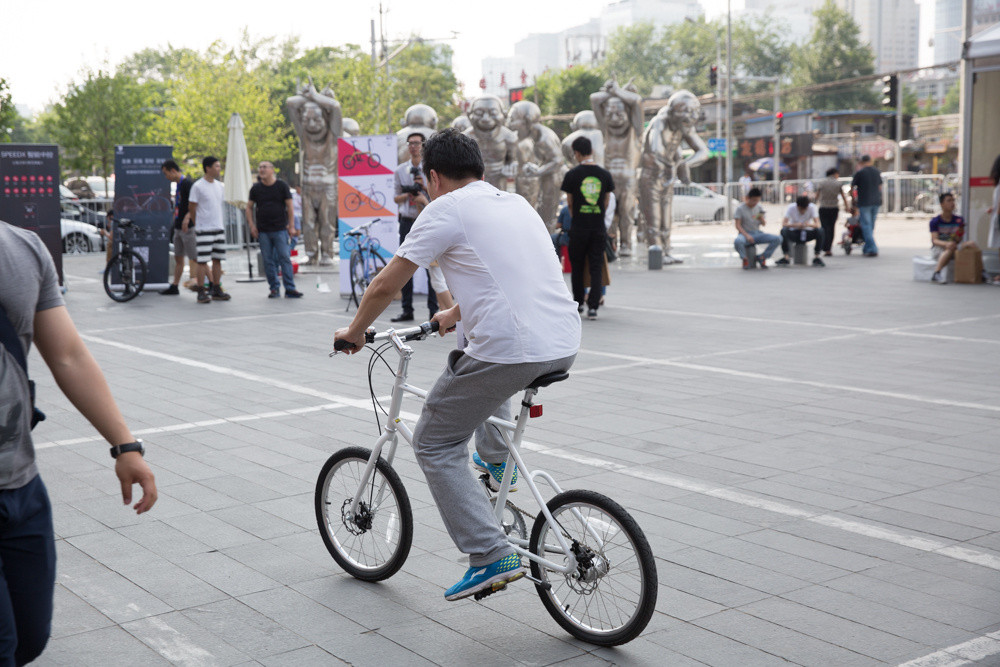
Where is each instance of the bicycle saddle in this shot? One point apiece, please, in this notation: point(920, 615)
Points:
point(547, 379)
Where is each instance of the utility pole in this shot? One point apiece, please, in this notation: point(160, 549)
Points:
point(729, 97)
point(898, 207)
point(778, 119)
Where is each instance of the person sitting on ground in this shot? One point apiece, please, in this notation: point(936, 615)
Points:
point(749, 218)
point(560, 237)
point(801, 224)
point(947, 230)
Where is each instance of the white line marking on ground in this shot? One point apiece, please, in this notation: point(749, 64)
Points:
point(214, 320)
point(965, 653)
point(741, 318)
point(731, 495)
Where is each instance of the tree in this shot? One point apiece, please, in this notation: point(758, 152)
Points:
point(209, 88)
point(834, 51)
point(565, 91)
point(951, 99)
point(97, 114)
point(8, 114)
point(634, 53)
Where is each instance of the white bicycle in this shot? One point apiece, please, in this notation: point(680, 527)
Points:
point(590, 561)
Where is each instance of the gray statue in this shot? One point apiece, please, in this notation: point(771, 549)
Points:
point(317, 121)
point(461, 123)
point(419, 118)
point(584, 125)
point(544, 162)
point(526, 183)
point(619, 115)
point(351, 128)
point(497, 143)
point(663, 165)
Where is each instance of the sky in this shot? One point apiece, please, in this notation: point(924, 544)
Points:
point(45, 44)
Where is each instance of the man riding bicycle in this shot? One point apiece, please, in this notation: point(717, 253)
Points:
point(520, 322)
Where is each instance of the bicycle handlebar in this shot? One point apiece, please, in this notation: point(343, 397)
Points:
point(408, 334)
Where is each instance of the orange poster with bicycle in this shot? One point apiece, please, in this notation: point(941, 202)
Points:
point(365, 192)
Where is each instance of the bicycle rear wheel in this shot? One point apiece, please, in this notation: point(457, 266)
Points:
point(373, 544)
point(364, 265)
point(131, 269)
point(610, 596)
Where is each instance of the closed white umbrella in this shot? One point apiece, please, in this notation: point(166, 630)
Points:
point(238, 178)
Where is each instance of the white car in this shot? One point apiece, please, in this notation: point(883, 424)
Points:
point(79, 237)
point(696, 202)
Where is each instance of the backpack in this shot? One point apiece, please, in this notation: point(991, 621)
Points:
point(11, 356)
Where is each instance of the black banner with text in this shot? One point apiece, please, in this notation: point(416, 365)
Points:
point(29, 193)
point(142, 195)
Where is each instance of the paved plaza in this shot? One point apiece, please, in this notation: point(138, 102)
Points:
point(812, 452)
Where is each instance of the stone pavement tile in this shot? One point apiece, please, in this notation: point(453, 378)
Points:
point(797, 495)
point(991, 541)
point(936, 584)
point(844, 484)
point(736, 571)
point(915, 504)
point(619, 452)
point(789, 458)
point(297, 509)
point(163, 539)
point(674, 534)
point(99, 648)
point(437, 643)
point(686, 607)
point(238, 625)
point(878, 467)
point(718, 461)
point(641, 652)
point(955, 569)
point(197, 495)
point(225, 573)
point(275, 563)
point(903, 624)
point(256, 521)
point(925, 605)
point(310, 656)
point(706, 586)
point(781, 641)
point(183, 642)
point(369, 607)
point(812, 550)
point(210, 530)
point(774, 559)
point(711, 648)
point(833, 629)
point(318, 624)
point(755, 517)
point(184, 466)
point(683, 467)
point(69, 522)
point(309, 546)
point(241, 489)
point(954, 496)
point(73, 615)
point(913, 521)
point(108, 592)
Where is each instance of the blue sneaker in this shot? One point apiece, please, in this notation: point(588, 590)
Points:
point(495, 472)
point(490, 578)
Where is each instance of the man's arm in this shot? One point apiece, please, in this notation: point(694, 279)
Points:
point(378, 296)
point(192, 213)
point(250, 222)
point(81, 380)
point(290, 211)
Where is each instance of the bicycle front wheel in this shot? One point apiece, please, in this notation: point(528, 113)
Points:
point(352, 202)
point(373, 544)
point(364, 266)
point(610, 596)
point(131, 269)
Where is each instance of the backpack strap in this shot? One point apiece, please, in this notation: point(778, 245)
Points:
point(12, 342)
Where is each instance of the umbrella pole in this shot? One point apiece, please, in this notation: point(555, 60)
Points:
point(246, 243)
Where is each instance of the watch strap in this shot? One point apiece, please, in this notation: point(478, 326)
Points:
point(136, 446)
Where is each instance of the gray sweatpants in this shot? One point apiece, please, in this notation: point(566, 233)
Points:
point(466, 394)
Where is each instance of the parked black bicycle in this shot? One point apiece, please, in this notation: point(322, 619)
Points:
point(125, 274)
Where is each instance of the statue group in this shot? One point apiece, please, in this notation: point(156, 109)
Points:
point(646, 164)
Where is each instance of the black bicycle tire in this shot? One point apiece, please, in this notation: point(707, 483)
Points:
point(373, 161)
point(137, 283)
point(646, 603)
point(126, 205)
point(399, 555)
point(378, 263)
point(348, 162)
point(348, 200)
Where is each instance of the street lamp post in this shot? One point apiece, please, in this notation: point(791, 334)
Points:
point(729, 97)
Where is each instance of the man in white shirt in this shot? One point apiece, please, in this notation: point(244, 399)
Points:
point(205, 210)
point(517, 315)
point(411, 198)
point(801, 224)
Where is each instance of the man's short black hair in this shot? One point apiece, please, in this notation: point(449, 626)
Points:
point(170, 165)
point(866, 158)
point(802, 201)
point(453, 155)
point(831, 171)
point(416, 134)
point(582, 146)
point(941, 197)
point(208, 162)
point(755, 192)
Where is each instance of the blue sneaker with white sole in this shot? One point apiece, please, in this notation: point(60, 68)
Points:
point(495, 472)
point(489, 578)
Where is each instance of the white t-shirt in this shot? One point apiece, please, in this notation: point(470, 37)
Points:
point(497, 258)
point(795, 217)
point(209, 197)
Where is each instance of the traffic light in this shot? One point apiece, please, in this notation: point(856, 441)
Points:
point(890, 91)
point(713, 75)
point(778, 118)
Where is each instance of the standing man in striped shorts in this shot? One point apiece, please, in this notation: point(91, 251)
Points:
point(205, 209)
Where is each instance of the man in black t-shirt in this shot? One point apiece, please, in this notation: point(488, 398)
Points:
point(185, 242)
point(273, 226)
point(587, 186)
point(866, 191)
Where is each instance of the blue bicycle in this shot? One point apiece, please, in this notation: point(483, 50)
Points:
point(365, 260)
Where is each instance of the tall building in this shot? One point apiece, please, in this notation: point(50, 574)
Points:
point(798, 16)
point(891, 27)
point(948, 25)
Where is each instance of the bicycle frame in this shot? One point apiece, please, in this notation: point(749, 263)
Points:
point(512, 433)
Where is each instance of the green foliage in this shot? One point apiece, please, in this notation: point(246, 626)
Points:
point(8, 114)
point(96, 114)
point(634, 53)
point(834, 51)
point(565, 91)
point(951, 99)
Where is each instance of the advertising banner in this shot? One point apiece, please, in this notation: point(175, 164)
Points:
point(142, 195)
point(29, 193)
point(365, 193)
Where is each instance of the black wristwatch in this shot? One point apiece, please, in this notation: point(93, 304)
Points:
point(128, 447)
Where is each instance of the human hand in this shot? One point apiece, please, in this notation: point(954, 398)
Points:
point(356, 341)
point(292, 231)
point(131, 469)
point(446, 319)
point(185, 224)
point(253, 231)
point(420, 200)
point(748, 238)
point(952, 245)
